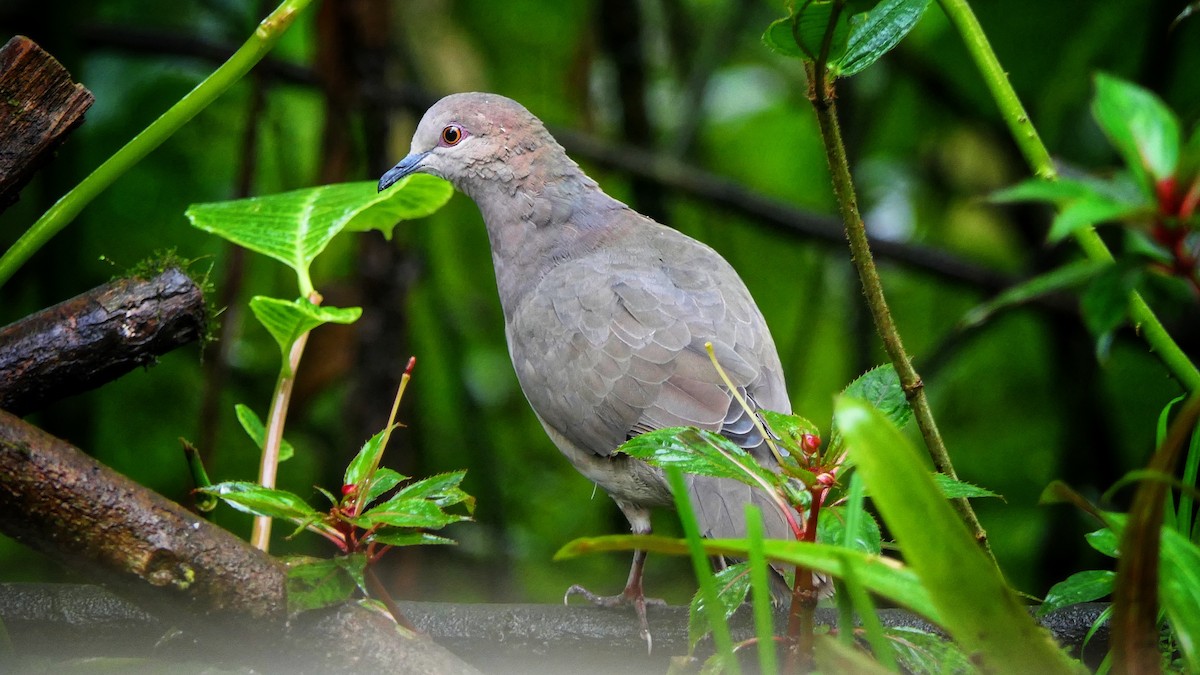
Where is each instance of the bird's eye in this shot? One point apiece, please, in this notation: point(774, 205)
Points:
point(452, 134)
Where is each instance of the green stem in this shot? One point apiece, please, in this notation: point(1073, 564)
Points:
point(1023, 132)
point(65, 209)
point(260, 533)
point(860, 249)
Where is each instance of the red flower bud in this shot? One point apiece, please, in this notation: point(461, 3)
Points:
point(349, 489)
point(810, 443)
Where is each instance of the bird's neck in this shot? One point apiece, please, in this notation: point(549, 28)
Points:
point(544, 216)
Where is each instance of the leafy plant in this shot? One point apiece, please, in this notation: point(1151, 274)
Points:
point(378, 509)
point(1153, 198)
point(294, 228)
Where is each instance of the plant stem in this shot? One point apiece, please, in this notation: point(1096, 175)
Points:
point(864, 262)
point(1023, 132)
point(381, 593)
point(260, 533)
point(69, 205)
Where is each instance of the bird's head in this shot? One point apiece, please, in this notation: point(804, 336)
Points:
point(463, 135)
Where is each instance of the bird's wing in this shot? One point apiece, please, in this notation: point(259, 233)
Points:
point(612, 345)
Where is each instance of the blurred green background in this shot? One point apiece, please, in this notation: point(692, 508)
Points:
point(1021, 401)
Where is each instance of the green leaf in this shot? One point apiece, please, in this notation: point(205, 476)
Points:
point(367, 459)
point(1058, 191)
point(294, 227)
point(1104, 541)
point(879, 386)
point(803, 33)
point(1088, 211)
point(1140, 126)
point(384, 479)
point(883, 576)
point(410, 513)
point(441, 489)
point(1105, 301)
point(733, 583)
point(286, 321)
point(260, 501)
point(699, 452)
point(834, 657)
point(920, 652)
point(313, 583)
point(1079, 587)
point(876, 32)
point(831, 528)
point(790, 430)
point(977, 607)
point(393, 537)
point(254, 428)
point(1070, 275)
point(956, 489)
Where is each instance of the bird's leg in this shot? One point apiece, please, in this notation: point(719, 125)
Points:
point(639, 520)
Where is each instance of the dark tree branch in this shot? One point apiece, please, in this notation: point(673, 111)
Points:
point(39, 107)
point(184, 570)
point(95, 337)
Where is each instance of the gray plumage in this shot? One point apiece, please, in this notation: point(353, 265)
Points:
point(606, 311)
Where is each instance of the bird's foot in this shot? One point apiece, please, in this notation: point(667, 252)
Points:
point(630, 596)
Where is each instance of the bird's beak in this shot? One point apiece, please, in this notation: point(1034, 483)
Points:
point(408, 165)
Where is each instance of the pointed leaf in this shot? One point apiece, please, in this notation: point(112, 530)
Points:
point(286, 321)
point(879, 386)
point(1104, 541)
point(1140, 126)
point(384, 479)
point(831, 528)
point(1088, 211)
point(1070, 275)
point(1058, 191)
point(411, 513)
point(260, 501)
point(367, 458)
point(294, 227)
point(393, 537)
point(978, 609)
point(1080, 587)
point(441, 489)
point(875, 32)
point(254, 428)
point(957, 489)
point(698, 452)
point(791, 430)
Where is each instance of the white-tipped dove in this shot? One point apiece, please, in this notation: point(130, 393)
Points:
point(607, 314)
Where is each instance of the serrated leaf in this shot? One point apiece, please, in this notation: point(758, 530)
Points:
point(367, 459)
point(410, 513)
point(733, 583)
point(875, 32)
point(1140, 126)
point(257, 432)
point(288, 320)
point(384, 479)
point(260, 501)
point(294, 227)
point(1079, 587)
point(1067, 276)
point(313, 583)
point(441, 489)
point(879, 386)
point(957, 489)
point(698, 452)
point(406, 538)
point(831, 528)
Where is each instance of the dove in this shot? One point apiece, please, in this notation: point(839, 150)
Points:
point(607, 314)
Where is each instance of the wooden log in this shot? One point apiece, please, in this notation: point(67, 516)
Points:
point(190, 574)
point(81, 343)
point(39, 107)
